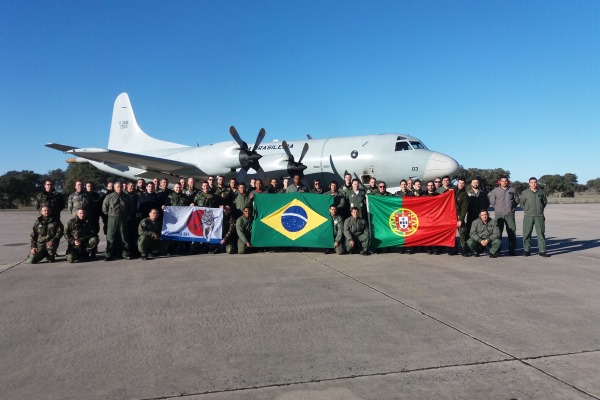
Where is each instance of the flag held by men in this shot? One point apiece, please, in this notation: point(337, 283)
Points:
point(292, 220)
point(413, 221)
point(192, 224)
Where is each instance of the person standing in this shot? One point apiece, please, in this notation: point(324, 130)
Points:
point(338, 231)
point(297, 186)
point(505, 199)
point(51, 198)
point(446, 185)
point(478, 200)
point(372, 189)
point(243, 227)
point(403, 192)
point(462, 207)
point(357, 198)
point(533, 202)
point(120, 210)
point(382, 189)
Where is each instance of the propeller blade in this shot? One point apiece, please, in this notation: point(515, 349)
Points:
point(287, 150)
point(261, 173)
point(237, 137)
point(241, 175)
point(259, 138)
point(304, 150)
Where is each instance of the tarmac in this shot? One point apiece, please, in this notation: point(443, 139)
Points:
point(305, 325)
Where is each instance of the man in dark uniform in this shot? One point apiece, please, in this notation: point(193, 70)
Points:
point(51, 198)
point(229, 234)
point(462, 206)
point(431, 191)
point(478, 200)
point(224, 193)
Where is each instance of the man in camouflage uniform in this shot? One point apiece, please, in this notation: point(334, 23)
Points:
point(190, 191)
point(149, 231)
point(205, 198)
point(45, 237)
point(81, 237)
point(120, 210)
point(357, 234)
point(339, 201)
point(484, 233)
point(79, 199)
point(243, 227)
point(51, 198)
point(338, 231)
point(224, 193)
point(177, 199)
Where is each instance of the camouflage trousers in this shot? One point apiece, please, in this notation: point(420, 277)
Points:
point(43, 250)
point(77, 252)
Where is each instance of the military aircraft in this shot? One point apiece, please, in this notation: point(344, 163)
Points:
point(134, 154)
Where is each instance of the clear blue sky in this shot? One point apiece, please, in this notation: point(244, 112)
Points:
point(494, 84)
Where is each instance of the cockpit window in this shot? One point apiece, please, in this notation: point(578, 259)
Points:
point(403, 145)
point(418, 145)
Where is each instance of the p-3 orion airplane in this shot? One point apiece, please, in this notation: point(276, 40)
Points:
point(133, 154)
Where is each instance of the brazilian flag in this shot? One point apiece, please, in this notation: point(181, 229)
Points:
point(292, 220)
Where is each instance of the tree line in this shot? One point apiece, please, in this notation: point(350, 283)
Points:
point(19, 188)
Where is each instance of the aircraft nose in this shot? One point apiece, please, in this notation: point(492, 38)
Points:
point(439, 165)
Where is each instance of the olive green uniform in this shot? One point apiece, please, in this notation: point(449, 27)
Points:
point(52, 199)
point(242, 201)
point(533, 204)
point(505, 202)
point(243, 227)
point(462, 207)
point(357, 230)
point(338, 233)
point(149, 237)
point(45, 237)
point(120, 210)
point(481, 231)
point(358, 200)
point(83, 231)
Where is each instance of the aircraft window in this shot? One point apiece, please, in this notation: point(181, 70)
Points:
point(401, 146)
point(418, 145)
point(401, 138)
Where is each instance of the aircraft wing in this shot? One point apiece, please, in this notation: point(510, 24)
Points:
point(141, 161)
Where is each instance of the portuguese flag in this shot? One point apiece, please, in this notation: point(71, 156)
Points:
point(292, 220)
point(413, 221)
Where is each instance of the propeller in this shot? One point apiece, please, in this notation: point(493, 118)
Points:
point(295, 167)
point(248, 158)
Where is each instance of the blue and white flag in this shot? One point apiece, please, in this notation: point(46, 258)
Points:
point(193, 224)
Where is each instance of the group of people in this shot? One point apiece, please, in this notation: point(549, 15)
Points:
point(132, 215)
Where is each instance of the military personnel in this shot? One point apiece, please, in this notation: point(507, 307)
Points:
point(505, 199)
point(81, 237)
point(163, 191)
point(51, 198)
point(339, 201)
point(176, 198)
point(462, 206)
point(182, 183)
point(347, 186)
point(242, 200)
point(79, 199)
point(296, 186)
point(273, 187)
point(417, 191)
point(229, 238)
point(478, 200)
point(432, 191)
point(533, 202)
point(372, 189)
point(225, 193)
point(258, 188)
point(403, 192)
point(45, 236)
point(133, 221)
point(205, 198)
point(317, 188)
point(243, 227)
point(382, 189)
point(357, 198)
point(211, 183)
point(233, 185)
point(284, 185)
point(438, 183)
point(484, 234)
point(120, 210)
point(446, 185)
point(147, 201)
point(149, 232)
point(95, 206)
point(356, 232)
point(140, 186)
point(410, 185)
point(191, 191)
point(104, 217)
point(338, 231)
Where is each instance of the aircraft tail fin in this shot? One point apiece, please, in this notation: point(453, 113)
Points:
point(126, 134)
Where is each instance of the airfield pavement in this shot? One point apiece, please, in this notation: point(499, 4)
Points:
point(304, 325)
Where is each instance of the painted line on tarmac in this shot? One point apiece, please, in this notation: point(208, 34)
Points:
point(522, 360)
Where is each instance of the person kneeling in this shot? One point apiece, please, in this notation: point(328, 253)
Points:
point(81, 237)
point(356, 232)
point(484, 234)
point(45, 237)
point(149, 231)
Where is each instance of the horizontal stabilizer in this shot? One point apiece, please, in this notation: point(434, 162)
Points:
point(60, 147)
